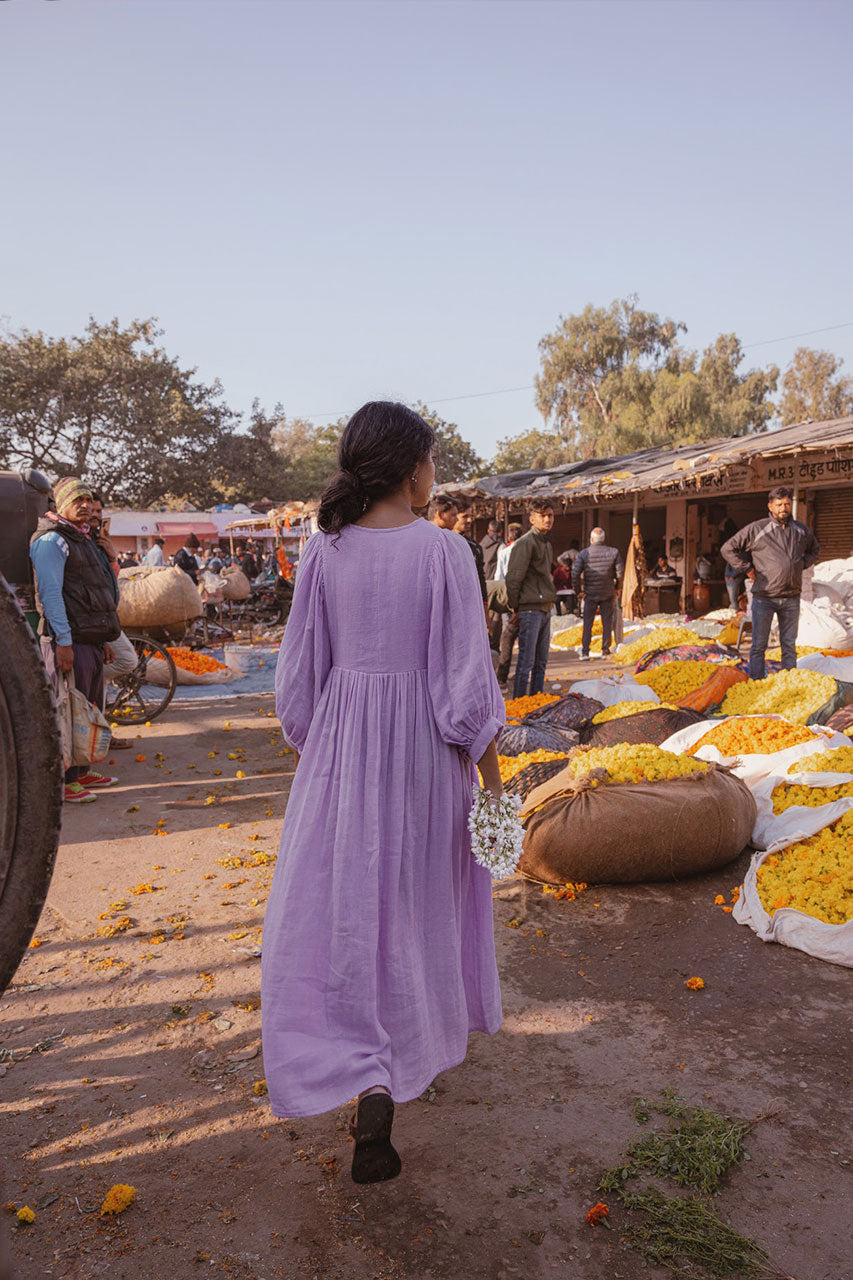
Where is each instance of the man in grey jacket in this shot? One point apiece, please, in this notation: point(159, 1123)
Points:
point(600, 568)
point(778, 548)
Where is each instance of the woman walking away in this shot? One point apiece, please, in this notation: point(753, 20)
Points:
point(378, 955)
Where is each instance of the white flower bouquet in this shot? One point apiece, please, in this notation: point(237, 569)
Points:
point(496, 833)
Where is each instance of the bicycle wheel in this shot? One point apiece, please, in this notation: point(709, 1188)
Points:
point(133, 699)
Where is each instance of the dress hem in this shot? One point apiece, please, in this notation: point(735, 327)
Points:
point(408, 1097)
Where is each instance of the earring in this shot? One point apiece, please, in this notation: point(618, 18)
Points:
point(415, 479)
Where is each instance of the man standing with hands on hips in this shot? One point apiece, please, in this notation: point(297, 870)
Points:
point(530, 595)
point(778, 548)
point(601, 569)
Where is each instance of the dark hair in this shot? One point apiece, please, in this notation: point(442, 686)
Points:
point(781, 492)
point(443, 503)
point(191, 541)
point(381, 445)
point(97, 496)
point(541, 504)
point(160, 541)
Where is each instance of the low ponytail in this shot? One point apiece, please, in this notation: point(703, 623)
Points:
point(381, 446)
point(343, 502)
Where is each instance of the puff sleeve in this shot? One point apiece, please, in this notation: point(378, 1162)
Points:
point(305, 656)
point(466, 699)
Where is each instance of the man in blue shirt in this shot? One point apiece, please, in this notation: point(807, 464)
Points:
point(77, 598)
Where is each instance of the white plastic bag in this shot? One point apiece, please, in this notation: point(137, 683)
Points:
point(793, 928)
point(612, 689)
point(90, 732)
point(838, 668)
point(752, 767)
point(823, 625)
point(800, 820)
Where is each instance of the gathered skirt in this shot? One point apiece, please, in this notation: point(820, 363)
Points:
point(378, 945)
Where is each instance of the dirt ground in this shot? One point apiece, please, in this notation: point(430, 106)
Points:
point(149, 1074)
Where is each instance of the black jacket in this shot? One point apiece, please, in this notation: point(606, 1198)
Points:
point(186, 560)
point(777, 552)
point(89, 589)
point(490, 546)
point(602, 570)
point(477, 552)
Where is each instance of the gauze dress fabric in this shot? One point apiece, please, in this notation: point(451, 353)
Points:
point(378, 946)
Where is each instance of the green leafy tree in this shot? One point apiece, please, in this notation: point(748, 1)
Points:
point(455, 458)
point(615, 379)
point(813, 387)
point(534, 450)
point(114, 407)
point(309, 453)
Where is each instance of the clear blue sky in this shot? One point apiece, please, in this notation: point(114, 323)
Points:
point(325, 203)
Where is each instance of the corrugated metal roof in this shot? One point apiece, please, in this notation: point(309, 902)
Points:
point(658, 467)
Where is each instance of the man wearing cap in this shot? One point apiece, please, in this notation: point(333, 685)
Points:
point(76, 597)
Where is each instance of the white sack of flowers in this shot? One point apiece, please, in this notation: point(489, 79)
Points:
point(612, 689)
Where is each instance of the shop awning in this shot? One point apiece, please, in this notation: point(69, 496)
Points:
point(181, 529)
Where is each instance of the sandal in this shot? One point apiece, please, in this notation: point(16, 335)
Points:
point(374, 1158)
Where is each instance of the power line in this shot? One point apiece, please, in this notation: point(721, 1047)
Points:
point(505, 391)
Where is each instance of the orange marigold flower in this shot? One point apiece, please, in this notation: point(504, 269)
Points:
point(117, 1198)
point(719, 900)
point(695, 984)
point(140, 759)
point(597, 1213)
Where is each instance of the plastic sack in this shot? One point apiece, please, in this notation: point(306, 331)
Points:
point(237, 586)
point(824, 625)
point(842, 721)
point(85, 734)
point(790, 927)
point(571, 712)
point(715, 688)
point(753, 766)
point(646, 726)
point(800, 820)
point(532, 776)
point(839, 668)
point(612, 689)
point(516, 739)
point(157, 672)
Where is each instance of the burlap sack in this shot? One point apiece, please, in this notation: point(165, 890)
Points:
point(646, 726)
point(237, 586)
point(150, 596)
point(632, 832)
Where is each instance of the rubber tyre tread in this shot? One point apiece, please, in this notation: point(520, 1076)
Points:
point(33, 820)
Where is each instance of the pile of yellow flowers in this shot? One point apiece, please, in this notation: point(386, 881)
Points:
point(518, 707)
point(660, 638)
point(753, 735)
point(638, 762)
point(791, 793)
point(675, 680)
point(814, 875)
point(511, 765)
point(621, 709)
point(835, 760)
point(573, 635)
point(796, 695)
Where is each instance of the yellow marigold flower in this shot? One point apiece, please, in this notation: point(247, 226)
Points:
point(695, 984)
point(788, 794)
point(674, 680)
point(719, 900)
point(117, 1199)
point(796, 695)
point(511, 765)
point(814, 875)
point(660, 638)
point(750, 735)
point(573, 635)
point(25, 1214)
point(259, 1088)
point(835, 760)
point(619, 710)
point(634, 762)
point(518, 707)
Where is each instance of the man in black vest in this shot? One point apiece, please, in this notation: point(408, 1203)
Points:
point(601, 569)
point(76, 598)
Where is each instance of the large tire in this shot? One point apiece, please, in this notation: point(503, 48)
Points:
point(31, 782)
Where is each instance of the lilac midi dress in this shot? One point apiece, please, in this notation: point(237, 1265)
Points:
point(378, 946)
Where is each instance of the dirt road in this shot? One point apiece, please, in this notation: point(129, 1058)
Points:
point(149, 1069)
